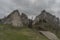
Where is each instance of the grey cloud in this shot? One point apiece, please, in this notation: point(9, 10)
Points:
point(30, 7)
point(36, 7)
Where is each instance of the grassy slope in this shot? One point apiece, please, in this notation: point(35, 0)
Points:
point(8, 33)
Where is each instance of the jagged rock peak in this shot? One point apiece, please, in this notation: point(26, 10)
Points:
point(13, 12)
point(24, 15)
point(44, 12)
point(46, 20)
point(16, 11)
point(24, 18)
point(16, 19)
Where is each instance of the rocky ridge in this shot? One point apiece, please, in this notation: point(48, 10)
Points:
point(46, 21)
point(15, 19)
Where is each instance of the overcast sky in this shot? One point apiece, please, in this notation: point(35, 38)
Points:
point(30, 7)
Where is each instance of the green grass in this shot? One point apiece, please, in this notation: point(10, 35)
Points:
point(7, 32)
point(58, 34)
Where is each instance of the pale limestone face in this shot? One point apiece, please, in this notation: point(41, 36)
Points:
point(16, 20)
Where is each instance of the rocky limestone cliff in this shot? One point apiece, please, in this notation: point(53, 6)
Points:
point(15, 19)
point(24, 19)
point(46, 21)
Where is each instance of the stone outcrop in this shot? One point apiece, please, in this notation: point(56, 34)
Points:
point(46, 21)
point(16, 19)
point(24, 19)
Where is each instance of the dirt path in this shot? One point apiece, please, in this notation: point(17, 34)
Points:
point(49, 35)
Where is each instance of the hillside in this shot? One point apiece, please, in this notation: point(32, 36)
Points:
point(7, 32)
